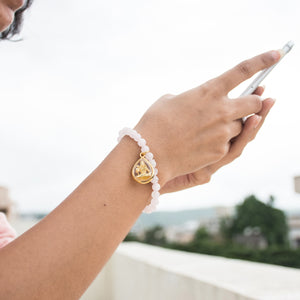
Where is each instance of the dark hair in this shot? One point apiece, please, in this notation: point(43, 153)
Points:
point(16, 26)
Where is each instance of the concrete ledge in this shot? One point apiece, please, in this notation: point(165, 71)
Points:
point(139, 271)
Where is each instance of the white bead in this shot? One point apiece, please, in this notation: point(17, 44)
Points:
point(155, 201)
point(148, 210)
point(152, 162)
point(155, 179)
point(142, 143)
point(155, 194)
point(154, 206)
point(135, 137)
point(149, 156)
point(156, 187)
point(144, 148)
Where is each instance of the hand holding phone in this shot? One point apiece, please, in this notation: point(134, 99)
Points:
point(263, 74)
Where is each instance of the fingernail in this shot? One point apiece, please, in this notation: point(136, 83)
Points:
point(264, 87)
point(274, 100)
point(281, 52)
point(257, 121)
point(277, 54)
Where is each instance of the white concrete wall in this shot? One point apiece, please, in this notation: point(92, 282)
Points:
point(142, 272)
point(297, 184)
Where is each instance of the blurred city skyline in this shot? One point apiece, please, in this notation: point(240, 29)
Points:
point(85, 70)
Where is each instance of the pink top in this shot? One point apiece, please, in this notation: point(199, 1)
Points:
point(7, 233)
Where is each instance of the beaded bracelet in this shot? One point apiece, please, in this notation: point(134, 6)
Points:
point(144, 170)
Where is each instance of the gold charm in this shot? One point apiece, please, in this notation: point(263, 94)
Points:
point(142, 171)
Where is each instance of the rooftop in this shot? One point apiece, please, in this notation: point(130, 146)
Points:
point(139, 271)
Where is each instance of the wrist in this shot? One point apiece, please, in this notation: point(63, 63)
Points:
point(156, 148)
point(130, 152)
point(145, 169)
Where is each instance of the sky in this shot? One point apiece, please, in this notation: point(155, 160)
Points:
point(86, 69)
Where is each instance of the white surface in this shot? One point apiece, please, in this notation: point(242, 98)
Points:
point(297, 184)
point(138, 271)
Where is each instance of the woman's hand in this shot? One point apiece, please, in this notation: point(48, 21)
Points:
point(202, 176)
point(194, 130)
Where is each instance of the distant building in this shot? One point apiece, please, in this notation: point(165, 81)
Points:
point(213, 224)
point(180, 226)
point(294, 230)
point(183, 233)
point(6, 204)
point(252, 238)
point(297, 184)
point(294, 220)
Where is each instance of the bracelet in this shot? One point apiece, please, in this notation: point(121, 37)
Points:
point(144, 171)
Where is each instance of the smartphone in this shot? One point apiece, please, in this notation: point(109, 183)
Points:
point(263, 74)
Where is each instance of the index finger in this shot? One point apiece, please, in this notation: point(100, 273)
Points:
point(246, 69)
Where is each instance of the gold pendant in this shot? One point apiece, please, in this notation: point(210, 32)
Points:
point(142, 171)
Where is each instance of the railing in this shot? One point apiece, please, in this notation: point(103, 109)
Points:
point(143, 272)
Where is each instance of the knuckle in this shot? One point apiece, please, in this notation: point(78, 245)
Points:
point(226, 115)
point(216, 156)
point(205, 89)
point(245, 68)
point(212, 87)
point(16, 4)
point(206, 178)
point(267, 59)
point(224, 134)
point(238, 128)
point(209, 89)
point(222, 150)
point(257, 103)
point(206, 175)
point(202, 178)
point(167, 96)
point(171, 95)
point(251, 138)
point(223, 112)
point(6, 19)
point(237, 154)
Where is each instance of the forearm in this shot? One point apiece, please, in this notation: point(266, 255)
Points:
point(60, 256)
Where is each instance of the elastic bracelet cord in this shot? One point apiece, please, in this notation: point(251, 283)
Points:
point(149, 156)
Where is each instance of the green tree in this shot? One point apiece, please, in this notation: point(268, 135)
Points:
point(155, 236)
point(254, 213)
point(131, 237)
point(202, 235)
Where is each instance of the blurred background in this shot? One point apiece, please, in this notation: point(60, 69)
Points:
point(86, 69)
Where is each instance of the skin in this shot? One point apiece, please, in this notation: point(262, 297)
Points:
point(60, 256)
point(203, 175)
